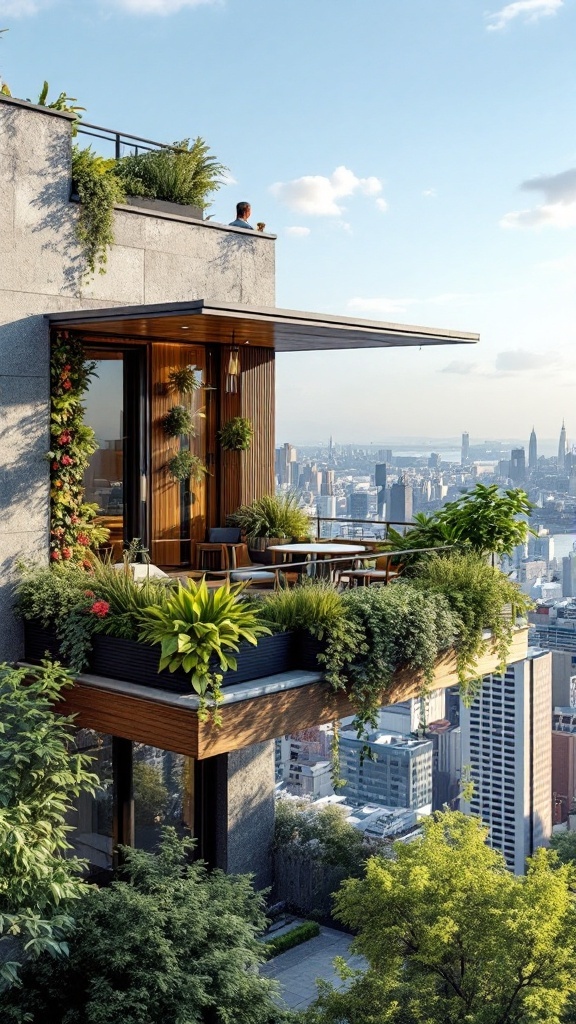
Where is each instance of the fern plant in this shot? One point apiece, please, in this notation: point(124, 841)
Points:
point(184, 380)
point(236, 435)
point(197, 624)
point(186, 174)
point(186, 466)
point(178, 421)
point(272, 516)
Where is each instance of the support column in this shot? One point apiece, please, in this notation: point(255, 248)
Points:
point(234, 811)
point(123, 814)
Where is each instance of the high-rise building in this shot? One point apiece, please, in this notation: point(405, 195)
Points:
point(562, 448)
point(533, 452)
point(380, 481)
point(465, 451)
point(326, 509)
point(385, 455)
point(398, 772)
point(284, 457)
point(506, 742)
point(400, 503)
point(518, 466)
point(358, 505)
point(327, 485)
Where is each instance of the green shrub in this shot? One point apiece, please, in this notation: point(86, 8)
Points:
point(236, 435)
point(98, 191)
point(177, 421)
point(288, 940)
point(186, 466)
point(188, 177)
point(313, 605)
point(167, 943)
point(481, 598)
point(322, 833)
point(273, 515)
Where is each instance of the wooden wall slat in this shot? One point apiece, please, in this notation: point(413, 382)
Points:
point(165, 493)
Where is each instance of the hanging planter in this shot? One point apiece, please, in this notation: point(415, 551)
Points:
point(236, 435)
point(186, 466)
point(178, 421)
point(184, 381)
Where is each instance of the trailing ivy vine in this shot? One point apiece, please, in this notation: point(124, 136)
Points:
point(98, 191)
point(72, 527)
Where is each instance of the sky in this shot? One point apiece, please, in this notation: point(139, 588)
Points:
point(416, 159)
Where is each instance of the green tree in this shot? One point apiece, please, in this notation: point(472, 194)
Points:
point(564, 845)
point(39, 776)
point(169, 943)
point(451, 936)
point(487, 519)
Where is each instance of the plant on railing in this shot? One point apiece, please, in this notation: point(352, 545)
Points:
point(187, 173)
point(98, 192)
point(273, 515)
point(186, 466)
point(484, 519)
point(236, 435)
point(72, 527)
point(196, 625)
point(178, 421)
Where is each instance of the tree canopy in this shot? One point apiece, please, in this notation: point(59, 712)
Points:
point(167, 943)
point(451, 936)
point(39, 776)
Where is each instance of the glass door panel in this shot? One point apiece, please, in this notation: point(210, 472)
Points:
point(104, 412)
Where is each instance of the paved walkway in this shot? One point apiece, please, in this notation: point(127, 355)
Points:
point(297, 969)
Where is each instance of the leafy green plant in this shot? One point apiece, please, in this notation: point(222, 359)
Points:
point(236, 435)
point(150, 794)
point(99, 192)
point(186, 174)
point(178, 421)
point(61, 596)
point(487, 519)
point(39, 777)
point(196, 625)
point(321, 832)
point(72, 527)
point(481, 597)
point(313, 605)
point(62, 102)
point(166, 943)
point(126, 599)
point(396, 627)
point(186, 466)
point(288, 940)
point(184, 380)
point(272, 516)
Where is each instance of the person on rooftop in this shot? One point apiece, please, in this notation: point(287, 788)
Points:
point(243, 211)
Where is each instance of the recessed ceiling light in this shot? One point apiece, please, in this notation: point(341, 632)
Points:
point(184, 328)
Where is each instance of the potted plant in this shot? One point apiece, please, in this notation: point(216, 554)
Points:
point(186, 466)
point(178, 421)
point(270, 520)
point(236, 435)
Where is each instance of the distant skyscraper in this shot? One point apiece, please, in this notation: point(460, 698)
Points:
point(358, 505)
point(327, 485)
point(562, 448)
point(533, 452)
point(518, 466)
point(400, 503)
point(465, 456)
point(380, 481)
point(506, 741)
point(385, 455)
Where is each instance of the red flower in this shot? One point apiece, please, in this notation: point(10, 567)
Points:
point(89, 593)
point(87, 564)
point(55, 465)
point(55, 555)
point(83, 539)
point(67, 368)
point(100, 608)
point(67, 385)
point(65, 437)
point(74, 519)
point(66, 461)
point(66, 553)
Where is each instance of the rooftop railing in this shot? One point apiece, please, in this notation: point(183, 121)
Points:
point(135, 144)
point(358, 529)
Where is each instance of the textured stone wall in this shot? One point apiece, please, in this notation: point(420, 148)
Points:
point(251, 812)
point(154, 259)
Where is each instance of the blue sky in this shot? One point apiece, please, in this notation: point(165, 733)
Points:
point(415, 157)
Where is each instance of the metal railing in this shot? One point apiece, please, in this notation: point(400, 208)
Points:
point(120, 139)
point(359, 532)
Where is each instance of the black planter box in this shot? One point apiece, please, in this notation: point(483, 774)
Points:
point(307, 650)
point(138, 663)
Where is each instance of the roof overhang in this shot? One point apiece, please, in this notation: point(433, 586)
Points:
point(285, 330)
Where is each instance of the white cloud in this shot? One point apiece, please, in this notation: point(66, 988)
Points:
point(429, 193)
point(510, 363)
point(559, 208)
point(460, 367)
point(18, 8)
point(297, 232)
point(319, 196)
point(382, 205)
point(381, 306)
point(162, 7)
point(530, 10)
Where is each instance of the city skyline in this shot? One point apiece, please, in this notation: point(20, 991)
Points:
point(436, 186)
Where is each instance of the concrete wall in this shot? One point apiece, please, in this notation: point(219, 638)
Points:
point(155, 258)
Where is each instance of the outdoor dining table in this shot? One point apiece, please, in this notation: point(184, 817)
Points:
point(317, 552)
